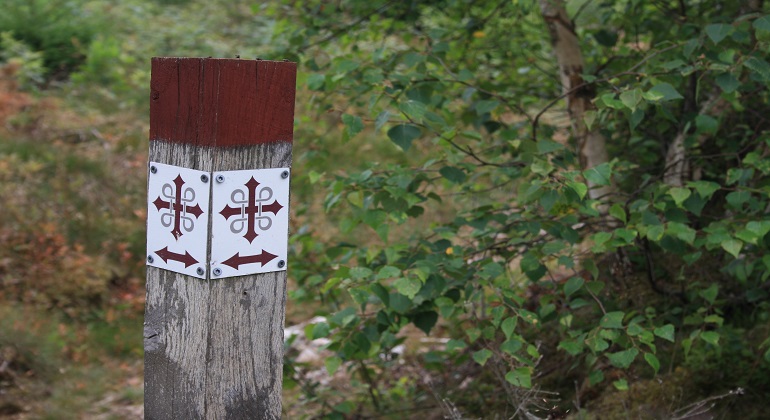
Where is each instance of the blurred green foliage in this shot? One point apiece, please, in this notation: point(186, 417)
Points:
point(61, 30)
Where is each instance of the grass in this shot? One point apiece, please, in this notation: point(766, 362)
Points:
point(61, 369)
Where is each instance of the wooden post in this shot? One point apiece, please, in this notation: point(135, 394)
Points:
point(214, 348)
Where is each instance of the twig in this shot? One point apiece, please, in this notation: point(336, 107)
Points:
point(697, 408)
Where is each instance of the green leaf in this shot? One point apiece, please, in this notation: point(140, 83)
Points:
point(320, 330)
point(316, 81)
point(612, 320)
point(382, 119)
point(597, 344)
point(511, 346)
point(345, 407)
point(599, 174)
point(357, 273)
point(573, 285)
point(655, 233)
point(332, 364)
point(727, 82)
point(762, 24)
point(414, 109)
point(425, 321)
point(408, 286)
point(704, 188)
point(509, 326)
point(665, 332)
point(483, 107)
point(634, 329)
point(711, 337)
point(353, 124)
point(482, 356)
point(623, 359)
point(681, 231)
point(736, 199)
point(589, 117)
point(573, 347)
point(631, 98)
point(626, 235)
point(618, 212)
point(403, 135)
point(453, 345)
point(388, 272)
point(596, 377)
point(547, 146)
point(706, 124)
point(653, 361)
point(595, 287)
point(760, 67)
point(718, 31)
point(733, 246)
point(620, 385)
point(344, 66)
point(473, 334)
point(521, 377)
point(454, 175)
point(662, 92)
point(580, 188)
point(710, 294)
point(679, 195)
point(759, 227)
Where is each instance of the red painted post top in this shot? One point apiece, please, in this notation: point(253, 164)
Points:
point(222, 102)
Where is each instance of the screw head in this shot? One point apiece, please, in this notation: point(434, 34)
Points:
point(200, 271)
point(150, 259)
point(220, 178)
point(285, 174)
point(205, 178)
point(153, 169)
point(281, 264)
point(217, 271)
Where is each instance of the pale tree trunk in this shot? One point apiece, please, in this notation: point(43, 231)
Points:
point(566, 45)
point(679, 169)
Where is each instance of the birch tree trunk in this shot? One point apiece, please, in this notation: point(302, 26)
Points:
point(679, 169)
point(566, 46)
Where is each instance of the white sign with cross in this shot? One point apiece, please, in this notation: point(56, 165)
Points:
point(177, 219)
point(250, 227)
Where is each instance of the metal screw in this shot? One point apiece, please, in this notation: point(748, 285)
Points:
point(217, 271)
point(281, 263)
point(285, 174)
point(200, 271)
point(153, 169)
point(150, 259)
point(205, 178)
point(220, 178)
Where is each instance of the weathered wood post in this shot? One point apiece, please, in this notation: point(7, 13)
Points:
point(213, 338)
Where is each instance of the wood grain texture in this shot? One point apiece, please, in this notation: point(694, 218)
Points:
point(222, 102)
point(214, 348)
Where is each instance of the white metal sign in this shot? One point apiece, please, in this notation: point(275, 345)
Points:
point(177, 219)
point(250, 227)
